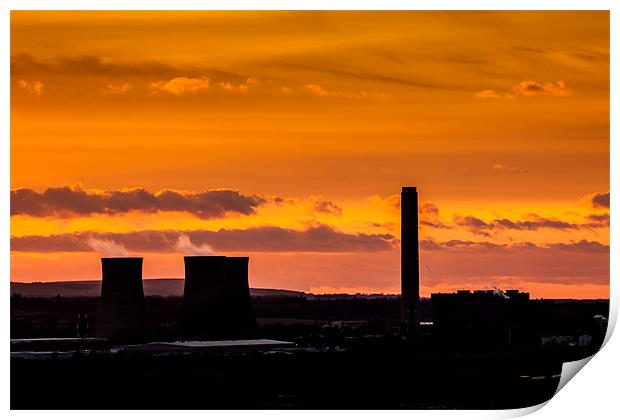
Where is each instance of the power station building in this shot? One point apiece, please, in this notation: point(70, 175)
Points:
point(121, 312)
point(409, 265)
point(488, 318)
point(216, 299)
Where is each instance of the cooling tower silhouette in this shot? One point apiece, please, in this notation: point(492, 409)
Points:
point(121, 311)
point(216, 298)
point(238, 303)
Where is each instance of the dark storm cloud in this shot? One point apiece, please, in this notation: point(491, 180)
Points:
point(537, 223)
point(321, 205)
point(67, 201)
point(582, 246)
point(429, 216)
point(429, 208)
point(485, 262)
point(436, 225)
point(88, 64)
point(471, 222)
point(458, 244)
point(25, 65)
point(599, 219)
point(481, 227)
point(316, 238)
point(601, 199)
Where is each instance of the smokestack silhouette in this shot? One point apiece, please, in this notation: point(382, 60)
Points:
point(216, 298)
point(121, 309)
point(409, 255)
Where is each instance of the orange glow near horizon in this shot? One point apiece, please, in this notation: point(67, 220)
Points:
point(311, 122)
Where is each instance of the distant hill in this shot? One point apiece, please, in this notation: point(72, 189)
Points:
point(92, 288)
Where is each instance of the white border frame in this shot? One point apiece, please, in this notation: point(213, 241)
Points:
point(592, 394)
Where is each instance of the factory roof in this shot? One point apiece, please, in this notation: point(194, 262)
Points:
point(201, 346)
point(56, 340)
point(42, 355)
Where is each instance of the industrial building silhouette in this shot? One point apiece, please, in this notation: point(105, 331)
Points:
point(410, 268)
point(121, 311)
point(217, 305)
point(216, 299)
point(468, 349)
point(489, 318)
point(205, 284)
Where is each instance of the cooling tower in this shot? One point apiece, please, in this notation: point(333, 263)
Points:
point(121, 308)
point(409, 270)
point(216, 298)
point(240, 314)
point(205, 282)
point(203, 310)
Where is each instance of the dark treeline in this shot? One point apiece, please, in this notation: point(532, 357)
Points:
point(57, 317)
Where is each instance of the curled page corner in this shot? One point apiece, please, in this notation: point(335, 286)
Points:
point(519, 412)
point(569, 370)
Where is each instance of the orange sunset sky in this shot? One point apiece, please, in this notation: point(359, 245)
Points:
point(287, 136)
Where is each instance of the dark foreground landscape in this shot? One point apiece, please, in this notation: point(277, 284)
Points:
point(364, 376)
point(333, 352)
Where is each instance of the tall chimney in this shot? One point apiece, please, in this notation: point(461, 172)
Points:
point(121, 308)
point(409, 255)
